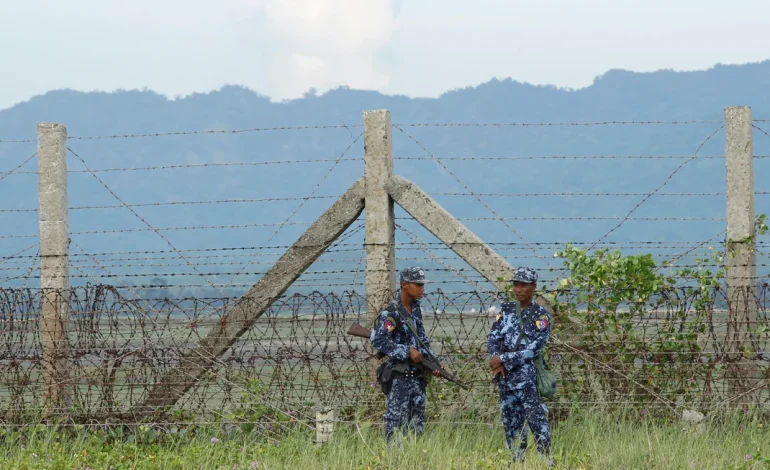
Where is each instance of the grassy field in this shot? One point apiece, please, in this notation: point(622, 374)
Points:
point(595, 442)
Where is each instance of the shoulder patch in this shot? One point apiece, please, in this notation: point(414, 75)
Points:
point(542, 322)
point(499, 317)
point(389, 325)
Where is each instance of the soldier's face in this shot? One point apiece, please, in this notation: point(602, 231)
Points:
point(523, 290)
point(413, 290)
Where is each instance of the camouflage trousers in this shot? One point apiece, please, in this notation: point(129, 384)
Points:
point(520, 403)
point(405, 406)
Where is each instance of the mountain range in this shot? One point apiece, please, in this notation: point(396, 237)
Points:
point(557, 165)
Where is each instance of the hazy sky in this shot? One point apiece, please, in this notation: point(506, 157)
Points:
point(281, 48)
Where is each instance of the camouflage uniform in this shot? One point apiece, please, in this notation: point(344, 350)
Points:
point(391, 336)
point(519, 398)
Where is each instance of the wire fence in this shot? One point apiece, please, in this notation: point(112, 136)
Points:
point(168, 228)
point(299, 356)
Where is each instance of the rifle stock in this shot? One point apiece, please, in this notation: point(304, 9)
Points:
point(357, 329)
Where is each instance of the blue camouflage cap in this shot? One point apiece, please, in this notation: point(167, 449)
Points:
point(413, 274)
point(527, 275)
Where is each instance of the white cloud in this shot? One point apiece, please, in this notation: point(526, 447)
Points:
point(326, 43)
point(283, 48)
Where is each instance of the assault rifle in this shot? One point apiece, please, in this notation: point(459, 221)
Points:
point(427, 362)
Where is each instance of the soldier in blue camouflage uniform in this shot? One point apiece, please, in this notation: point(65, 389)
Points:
point(390, 335)
point(514, 369)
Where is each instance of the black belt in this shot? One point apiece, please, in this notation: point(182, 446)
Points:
point(409, 373)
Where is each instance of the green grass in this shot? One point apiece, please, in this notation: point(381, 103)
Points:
point(595, 442)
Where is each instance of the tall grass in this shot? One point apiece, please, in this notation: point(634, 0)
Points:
point(589, 442)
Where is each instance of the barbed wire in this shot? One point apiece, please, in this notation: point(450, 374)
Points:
point(669, 219)
point(306, 198)
point(337, 281)
point(27, 274)
point(17, 255)
point(4, 175)
point(326, 283)
point(760, 129)
point(216, 165)
point(318, 185)
point(542, 245)
point(215, 359)
point(562, 124)
point(456, 178)
point(143, 220)
point(314, 277)
point(358, 159)
point(349, 126)
point(309, 358)
point(182, 203)
point(658, 188)
point(128, 262)
point(599, 194)
point(571, 157)
point(197, 132)
point(142, 262)
point(661, 186)
point(164, 229)
point(147, 346)
point(678, 256)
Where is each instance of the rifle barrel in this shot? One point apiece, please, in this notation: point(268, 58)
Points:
point(357, 330)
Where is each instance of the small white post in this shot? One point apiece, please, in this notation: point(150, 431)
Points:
point(324, 425)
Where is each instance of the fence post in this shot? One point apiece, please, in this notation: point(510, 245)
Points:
point(741, 246)
point(54, 259)
point(380, 221)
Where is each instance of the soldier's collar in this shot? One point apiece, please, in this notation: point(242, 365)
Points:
point(415, 304)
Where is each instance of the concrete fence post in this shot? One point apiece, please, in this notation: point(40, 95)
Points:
point(741, 246)
point(54, 260)
point(379, 210)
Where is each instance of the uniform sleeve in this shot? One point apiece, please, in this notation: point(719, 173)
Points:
point(541, 332)
point(494, 337)
point(382, 338)
point(516, 358)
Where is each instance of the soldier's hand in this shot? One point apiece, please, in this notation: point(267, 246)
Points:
point(496, 364)
point(415, 355)
point(436, 373)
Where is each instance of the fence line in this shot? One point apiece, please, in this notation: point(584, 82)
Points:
point(124, 337)
point(300, 356)
point(349, 126)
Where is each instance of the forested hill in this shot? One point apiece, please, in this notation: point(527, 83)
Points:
point(569, 199)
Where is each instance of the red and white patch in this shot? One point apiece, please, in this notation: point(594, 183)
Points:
point(389, 326)
point(541, 323)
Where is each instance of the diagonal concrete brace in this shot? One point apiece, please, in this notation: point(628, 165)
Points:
point(453, 233)
point(246, 310)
